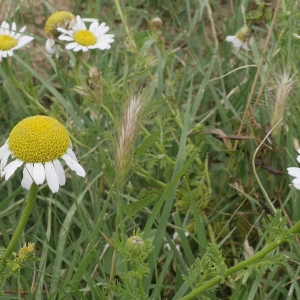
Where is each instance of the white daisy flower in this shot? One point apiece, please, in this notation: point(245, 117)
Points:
point(236, 42)
point(83, 39)
point(177, 241)
point(295, 172)
point(38, 143)
point(240, 39)
point(11, 40)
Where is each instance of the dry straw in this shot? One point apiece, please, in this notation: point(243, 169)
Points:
point(130, 125)
point(283, 89)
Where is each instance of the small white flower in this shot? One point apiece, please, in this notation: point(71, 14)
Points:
point(236, 42)
point(239, 40)
point(295, 172)
point(39, 142)
point(176, 240)
point(61, 19)
point(11, 40)
point(83, 39)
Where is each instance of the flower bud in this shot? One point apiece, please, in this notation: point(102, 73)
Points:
point(135, 245)
point(157, 24)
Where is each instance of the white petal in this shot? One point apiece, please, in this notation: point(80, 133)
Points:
point(10, 52)
point(298, 158)
point(66, 38)
point(27, 176)
point(71, 46)
point(73, 165)
point(71, 153)
point(77, 48)
point(94, 26)
point(23, 41)
point(49, 48)
point(101, 31)
point(11, 168)
point(38, 173)
point(244, 46)
point(296, 181)
point(89, 20)
point(60, 172)
point(51, 177)
point(62, 30)
point(175, 235)
point(19, 34)
point(3, 149)
point(4, 161)
point(294, 171)
point(13, 29)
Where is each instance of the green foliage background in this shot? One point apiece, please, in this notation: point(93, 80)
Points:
point(183, 175)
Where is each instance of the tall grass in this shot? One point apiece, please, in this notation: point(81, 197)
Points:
point(178, 133)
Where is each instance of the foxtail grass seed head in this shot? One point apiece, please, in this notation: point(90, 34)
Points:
point(39, 142)
point(240, 39)
point(84, 39)
point(11, 39)
point(130, 126)
point(135, 245)
point(283, 89)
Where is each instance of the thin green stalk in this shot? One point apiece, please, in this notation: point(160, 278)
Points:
point(257, 75)
point(259, 255)
point(23, 220)
point(140, 282)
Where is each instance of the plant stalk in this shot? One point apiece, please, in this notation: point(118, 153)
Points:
point(23, 220)
point(268, 248)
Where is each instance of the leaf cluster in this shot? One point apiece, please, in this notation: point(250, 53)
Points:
point(276, 228)
point(211, 265)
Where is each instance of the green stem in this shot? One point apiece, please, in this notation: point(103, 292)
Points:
point(77, 69)
point(269, 248)
point(139, 279)
point(23, 220)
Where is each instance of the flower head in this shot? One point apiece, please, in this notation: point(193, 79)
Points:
point(11, 40)
point(83, 39)
point(239, 40)
point(62, 19)
point(39, 142)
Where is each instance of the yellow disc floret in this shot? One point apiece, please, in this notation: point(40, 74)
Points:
point(85, 38)
point(38, 139)
point(7, 42)
point(58, 19)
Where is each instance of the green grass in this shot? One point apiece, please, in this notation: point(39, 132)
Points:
point(179, 173)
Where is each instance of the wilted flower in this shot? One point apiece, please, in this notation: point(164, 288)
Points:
point(239, 40)
point(62, 19)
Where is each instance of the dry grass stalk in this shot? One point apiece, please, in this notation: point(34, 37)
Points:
point(282, 92)
point(130, 126)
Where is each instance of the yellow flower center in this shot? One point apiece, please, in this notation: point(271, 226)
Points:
point(7, 42)
point(38, 139)
point(85, 38)
point(58, 19)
